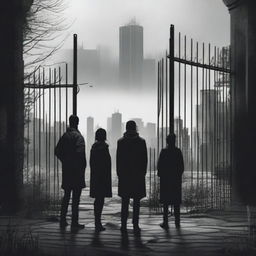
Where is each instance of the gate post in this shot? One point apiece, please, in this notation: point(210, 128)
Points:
point(11, 105)
point(171, 80)
point(243, 91)
point(75, 74)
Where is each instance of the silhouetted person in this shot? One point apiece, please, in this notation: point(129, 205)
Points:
point(131, 159)
point(100, 180)
point(71, 152)
point(170, 167)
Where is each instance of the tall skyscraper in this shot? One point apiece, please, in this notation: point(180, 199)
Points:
point(131, 55)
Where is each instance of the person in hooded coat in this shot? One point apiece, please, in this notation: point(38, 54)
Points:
point(70, 150)
point(131, 164)
point(170, 168)
point(100, 177)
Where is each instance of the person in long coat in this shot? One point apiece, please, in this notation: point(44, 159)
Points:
point(71, 152)
point(170, 168)
point(100, 177)
point(131, 167)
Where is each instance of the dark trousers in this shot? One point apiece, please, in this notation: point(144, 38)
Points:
point(98, 206)
point(176, 213)
point(76, 193)
point(125, 212)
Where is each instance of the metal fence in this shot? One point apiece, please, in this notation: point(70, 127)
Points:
point(194, 102)
point(49, 100)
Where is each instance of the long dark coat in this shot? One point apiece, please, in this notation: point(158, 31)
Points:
point(71, 152)
point(100, 164)
point(131, 160)
point(170, 167)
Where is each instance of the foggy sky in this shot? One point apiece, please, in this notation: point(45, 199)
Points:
point(97, 21)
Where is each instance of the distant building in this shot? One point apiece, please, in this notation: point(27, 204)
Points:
point(90, 133)
point(131, 55)
point(116, 128)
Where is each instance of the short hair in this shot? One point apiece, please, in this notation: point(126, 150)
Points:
point(100, 135)
point(131, 126)
point(73, 120)
point(170, 139)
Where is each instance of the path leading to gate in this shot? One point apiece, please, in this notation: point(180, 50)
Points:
point(213, 234)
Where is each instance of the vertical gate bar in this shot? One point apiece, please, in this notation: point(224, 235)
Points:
point(166, 92)
point(43, 119)
point(28, 130)
point(210, 129)
point(54, 134)
point(46, 157)
point(58, 178)
point(171, 80)
point(179, 120)
point(230, 129)
point(197, 123)
point(223, 128)
point(162, 103)
point(163, 130)
point(215, 129)
point(34, 131)
point(224, 131)
point(154, 174)
point(191, 116)
point(49, 131)
point(202, 128)
point(66, 73)
point(39, 135)
point(218, 134)
point(185, 104)
point(150, 170)
point(43, 98)
point(158, 104)
point(206, 132)
point(75, 75)
point(227, 126)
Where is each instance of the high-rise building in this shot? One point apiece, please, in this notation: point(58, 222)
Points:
point(90, 133)
point(131, 55)
point(116, 128)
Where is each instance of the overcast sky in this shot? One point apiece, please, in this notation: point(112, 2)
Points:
point(97, 21)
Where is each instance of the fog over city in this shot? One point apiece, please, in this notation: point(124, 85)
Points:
point(97, 24)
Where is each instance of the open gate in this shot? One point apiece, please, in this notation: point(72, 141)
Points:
point(49, 100)
point(194, 102)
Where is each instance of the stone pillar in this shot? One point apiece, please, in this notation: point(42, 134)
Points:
point(243, 57)
point(11, 104)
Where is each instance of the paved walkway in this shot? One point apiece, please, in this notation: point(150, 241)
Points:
point(217, 234)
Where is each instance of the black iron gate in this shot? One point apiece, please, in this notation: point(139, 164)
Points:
point(194, 102)
point(49, 100)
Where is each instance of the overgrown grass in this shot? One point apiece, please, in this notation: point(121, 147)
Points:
point(36, 202)
point(195, 197)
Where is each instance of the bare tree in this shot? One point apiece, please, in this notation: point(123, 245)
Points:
point(43, 32)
